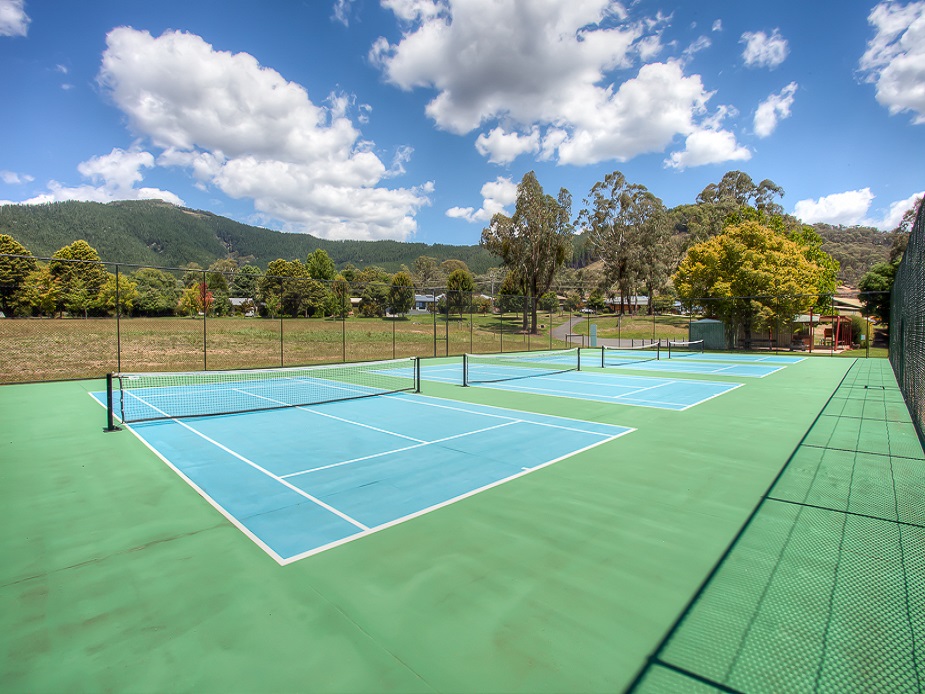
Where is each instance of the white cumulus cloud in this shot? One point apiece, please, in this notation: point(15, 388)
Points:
point(895, 57)
point(113, 177)
point(848, 208)
point(538, 77)
point(502, 147)
point(894, 213)
point(243, 128)
point(762, 50)
point(497, 196)
point(853, 207)
point(13, 18)
point(773, 109)
point(708, 147)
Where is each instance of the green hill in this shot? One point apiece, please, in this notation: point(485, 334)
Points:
point(152, 232)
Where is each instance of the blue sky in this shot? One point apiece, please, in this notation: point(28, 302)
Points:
point(416, 119)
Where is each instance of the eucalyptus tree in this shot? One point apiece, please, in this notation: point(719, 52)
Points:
point(534, 242)
point(629, 229)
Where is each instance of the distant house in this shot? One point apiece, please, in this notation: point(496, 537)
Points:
point(243, 306)
point(629, 304)
point(424, 303)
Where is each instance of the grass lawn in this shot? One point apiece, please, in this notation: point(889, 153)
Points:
point(43, 349)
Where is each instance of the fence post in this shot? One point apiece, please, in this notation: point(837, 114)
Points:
point(471, 319)
point(501, 314)
point(205, 313)
point(281, 290)
point(118, 332)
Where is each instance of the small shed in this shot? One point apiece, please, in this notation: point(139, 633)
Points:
point(712, 332)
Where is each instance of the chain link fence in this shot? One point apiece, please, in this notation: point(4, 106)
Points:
point(65, 319)
point(82, 319)
point(907, 324)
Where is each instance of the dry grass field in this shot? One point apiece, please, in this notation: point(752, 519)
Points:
point(44, 349)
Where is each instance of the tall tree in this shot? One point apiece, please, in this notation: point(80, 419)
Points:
point(287, 290)
point(158, 292)
point(401, 293)
point(459, 289)
point(875, 291)
point(533, 243)
point(13, 272)
point(320, 266)
point(629, 229)
point(427, 273)
point(78, 268)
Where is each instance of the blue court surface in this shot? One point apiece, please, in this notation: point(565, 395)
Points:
point(744, 358)
point(302, 480)
point(692, 365)
point(601, 386)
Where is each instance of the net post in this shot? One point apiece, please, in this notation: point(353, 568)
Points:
point(465, 370)
point(579, 359)
point(603, 357)
point(658, 348)
point(417, 374)
point(110, 423)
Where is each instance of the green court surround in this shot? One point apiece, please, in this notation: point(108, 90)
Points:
point(117, 576)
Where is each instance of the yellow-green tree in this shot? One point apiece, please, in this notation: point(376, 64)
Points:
point(125, 289)
point(16, 262)
point(749, 275)
point(81, 273)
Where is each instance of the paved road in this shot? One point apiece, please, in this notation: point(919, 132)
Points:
point(561, 332)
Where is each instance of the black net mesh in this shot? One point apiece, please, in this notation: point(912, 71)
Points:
point(492, 368)
point(152, 396)
point(907, 323)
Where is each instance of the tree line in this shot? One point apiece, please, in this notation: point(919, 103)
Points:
point(733, 255)
point(75, 282)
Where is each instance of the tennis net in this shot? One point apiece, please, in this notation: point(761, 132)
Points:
point(142, 397)
point(492, 368)
point(621, 356)
point(684, 349)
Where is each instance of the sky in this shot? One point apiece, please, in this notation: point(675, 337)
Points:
point(415, 120)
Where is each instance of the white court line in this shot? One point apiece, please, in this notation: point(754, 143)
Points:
point(654, 404)
point(201, 492)
point(399, 450)
point(305, 408)
point(715, 395)
point(524, 421)
point(642, 390)
point(257, 467)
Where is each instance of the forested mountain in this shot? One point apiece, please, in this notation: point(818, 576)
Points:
point(151, 232)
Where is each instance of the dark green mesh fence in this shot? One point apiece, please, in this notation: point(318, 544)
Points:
point(823, 590)
point(907, 323)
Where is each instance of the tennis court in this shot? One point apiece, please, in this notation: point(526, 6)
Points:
point(306, 479)
point(555, 374)
point(507, 540)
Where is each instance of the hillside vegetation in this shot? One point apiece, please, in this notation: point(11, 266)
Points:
point(857, 249)
point(151, 232)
